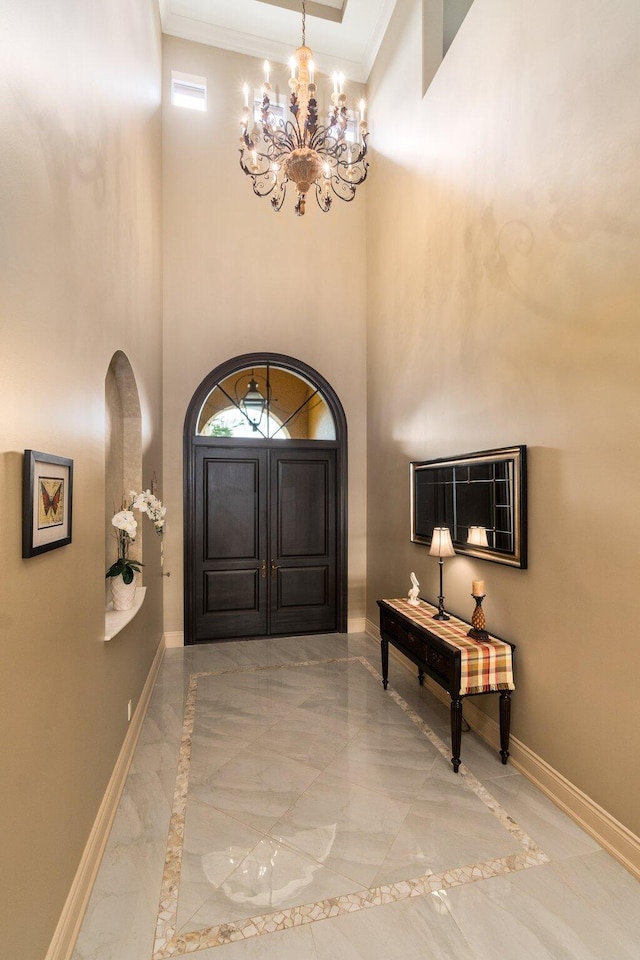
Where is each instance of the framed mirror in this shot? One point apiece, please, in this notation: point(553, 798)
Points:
point(482, 499)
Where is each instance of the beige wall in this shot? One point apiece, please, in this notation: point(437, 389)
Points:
point(240, 278)
point(79, 279)
point(503, 290)
point(502, 230)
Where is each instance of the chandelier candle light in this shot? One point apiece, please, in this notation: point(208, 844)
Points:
point(303, 151)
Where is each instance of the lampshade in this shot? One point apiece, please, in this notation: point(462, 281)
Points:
point(478, 536)
point(441, 545)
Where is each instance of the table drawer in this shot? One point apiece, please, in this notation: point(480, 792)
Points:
point(417, 644)
point(440, 664)
point(401, 636)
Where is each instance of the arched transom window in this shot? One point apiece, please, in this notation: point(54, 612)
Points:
point(266, 402)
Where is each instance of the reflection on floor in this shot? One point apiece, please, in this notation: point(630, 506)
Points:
point(282, 804)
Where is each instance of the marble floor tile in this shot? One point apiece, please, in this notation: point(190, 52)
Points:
point(257, 786)
point(444, 828)
point(556, 833)
point(215, 844)
point(584, 908)
point(400, 782)
point(311, 814)
point(343, 825)
point(271, 878)
point(120, 919)
point(420, 929)
point(390, 745)
point(299, 737)
point(144, 808)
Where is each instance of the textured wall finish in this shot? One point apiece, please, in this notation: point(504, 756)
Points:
point(80, 279)
point(503, 242)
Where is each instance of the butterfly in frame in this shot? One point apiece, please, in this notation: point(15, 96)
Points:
point(51, 501)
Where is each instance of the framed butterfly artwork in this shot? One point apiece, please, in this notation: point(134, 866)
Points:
point(47, 488)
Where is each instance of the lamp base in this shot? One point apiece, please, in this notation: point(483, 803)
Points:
point(441, 615)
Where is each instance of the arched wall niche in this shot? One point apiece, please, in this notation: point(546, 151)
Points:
point(123, 449)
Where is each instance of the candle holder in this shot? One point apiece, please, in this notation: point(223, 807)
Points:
point(478, 622)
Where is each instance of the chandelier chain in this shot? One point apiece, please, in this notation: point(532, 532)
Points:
point(304, 23)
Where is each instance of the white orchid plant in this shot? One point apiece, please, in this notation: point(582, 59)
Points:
point(127, 526)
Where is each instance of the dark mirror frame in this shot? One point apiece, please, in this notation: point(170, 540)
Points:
point(442, 502)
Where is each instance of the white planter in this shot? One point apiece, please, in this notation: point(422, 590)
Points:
point(122, 594)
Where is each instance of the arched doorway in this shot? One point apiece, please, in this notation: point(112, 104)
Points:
point(265, 470)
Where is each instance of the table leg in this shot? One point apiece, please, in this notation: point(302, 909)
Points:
point(456, 731)
point(505, 723)
point(384, 650)
point(421, 677)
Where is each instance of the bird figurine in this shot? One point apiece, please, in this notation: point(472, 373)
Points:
point(414, 590)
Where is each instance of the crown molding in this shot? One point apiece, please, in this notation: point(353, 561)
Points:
point(248, 44)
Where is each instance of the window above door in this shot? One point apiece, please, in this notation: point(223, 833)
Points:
point(266, 402)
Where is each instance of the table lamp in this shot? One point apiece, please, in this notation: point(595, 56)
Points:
point(441, 547)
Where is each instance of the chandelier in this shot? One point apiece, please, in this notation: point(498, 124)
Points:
point(301, 150)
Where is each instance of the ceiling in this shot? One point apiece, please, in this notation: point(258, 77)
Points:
point(344, 34)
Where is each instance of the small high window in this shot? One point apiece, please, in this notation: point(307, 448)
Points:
point(188, 91)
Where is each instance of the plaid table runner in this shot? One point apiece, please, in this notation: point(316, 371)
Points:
point(486, 665)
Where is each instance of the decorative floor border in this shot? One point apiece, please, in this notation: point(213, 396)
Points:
point(169, 944)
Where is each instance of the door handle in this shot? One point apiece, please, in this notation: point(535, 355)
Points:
point(274, 567)
point(263, 569)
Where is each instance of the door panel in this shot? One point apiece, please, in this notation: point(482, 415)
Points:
point(230, 543)
point(230, 490)
point(305, 587)
point(302, 490)
point(231, 590)
point(302, 528)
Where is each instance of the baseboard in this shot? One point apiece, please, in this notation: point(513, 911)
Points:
point(356, 625)
point(612, 835)
point(173, 639)
point(66, 933)
point(372, 629)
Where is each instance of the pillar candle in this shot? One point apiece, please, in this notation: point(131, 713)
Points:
point(477, 588)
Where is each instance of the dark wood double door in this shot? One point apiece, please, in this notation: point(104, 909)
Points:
point(265, 538)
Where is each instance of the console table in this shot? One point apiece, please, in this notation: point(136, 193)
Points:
point(462, 666)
